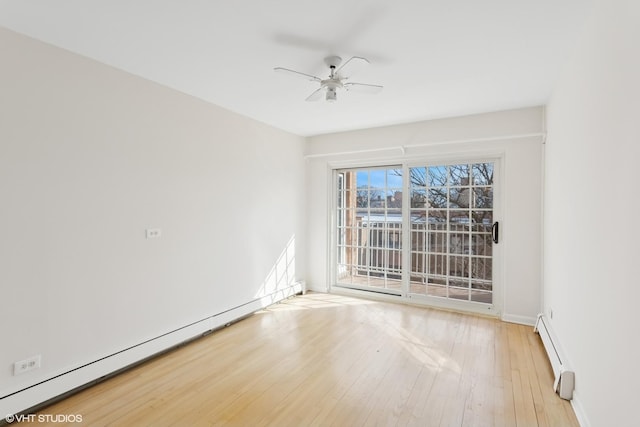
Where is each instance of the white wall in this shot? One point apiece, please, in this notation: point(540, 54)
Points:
point(89, 158)
point(514, 135)
point(591, 210)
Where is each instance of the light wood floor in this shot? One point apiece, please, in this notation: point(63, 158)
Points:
point(318, 360)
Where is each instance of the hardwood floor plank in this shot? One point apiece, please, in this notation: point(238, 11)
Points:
point(555, 410)
point(520, 363)
point(319, 360)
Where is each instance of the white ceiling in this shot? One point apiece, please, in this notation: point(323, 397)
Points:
point(435, 58)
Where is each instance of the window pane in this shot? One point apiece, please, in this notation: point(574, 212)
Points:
point(418, 198)
point(437, 287)
point(418, 177)
point(483, 173)
point(362, 179)
point(482, 221)
point(437, 264)
point(418, 285)
point(481, 244)
point(459, 220)
point(437, 176)
point(459, 243)
point(437, 242)
point(459, 175)
point(394, 178)
point(459, 289)
point(459, 266)
point(481, 285)
point(394, 198)
point(418, 262)
point(437, 220)
point(482, 198)
point(479, 296)
point(481, 268)
point(437, 198)
point(459, 197)
point(377, 179)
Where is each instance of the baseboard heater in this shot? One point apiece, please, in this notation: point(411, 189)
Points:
point(32, 397)
point(564, 379)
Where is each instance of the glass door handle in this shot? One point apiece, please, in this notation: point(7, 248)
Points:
point(495, 232)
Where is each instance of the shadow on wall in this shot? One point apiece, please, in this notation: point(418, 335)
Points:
point(281, 277)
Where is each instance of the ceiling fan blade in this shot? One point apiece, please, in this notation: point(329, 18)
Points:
point(316, 95)
point(297, 74)
point(363, 88)
point(351, 65)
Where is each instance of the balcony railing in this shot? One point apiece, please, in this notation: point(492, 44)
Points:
point(458, 250)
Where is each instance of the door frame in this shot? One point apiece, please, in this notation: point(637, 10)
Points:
point(496, 157)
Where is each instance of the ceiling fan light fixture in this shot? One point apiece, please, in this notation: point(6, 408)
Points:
point(332, 95)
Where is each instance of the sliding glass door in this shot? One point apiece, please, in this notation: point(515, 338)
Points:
point(369, 229)
point(437, 243)
point(451, 220)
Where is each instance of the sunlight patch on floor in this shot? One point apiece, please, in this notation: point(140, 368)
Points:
point(313, 301)
point(423, 350)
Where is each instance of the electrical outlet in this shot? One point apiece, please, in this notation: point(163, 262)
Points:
point(27, 365)
point(153, 233)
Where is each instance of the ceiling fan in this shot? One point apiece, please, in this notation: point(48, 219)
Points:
point(338, 76)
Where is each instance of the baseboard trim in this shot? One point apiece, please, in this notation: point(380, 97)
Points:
point(581, 415)
point(522, 320)
point(24, 400)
